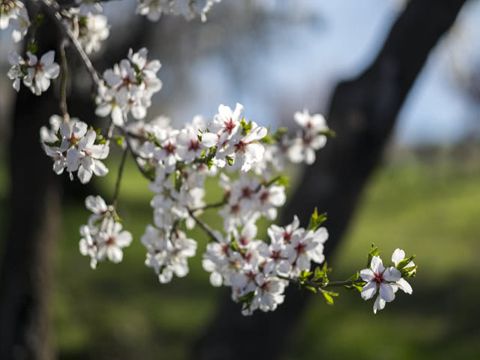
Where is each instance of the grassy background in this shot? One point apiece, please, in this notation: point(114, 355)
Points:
point(430, 209)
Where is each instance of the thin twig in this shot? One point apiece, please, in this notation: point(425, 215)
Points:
point(140, 167)
point(211, 206)
point(64, 81)
point(119, 176)
point(203, 225)
point(54, 9)
point(318, 285)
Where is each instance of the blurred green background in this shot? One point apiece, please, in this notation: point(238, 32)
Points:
point(275, 57)
point(426, 205)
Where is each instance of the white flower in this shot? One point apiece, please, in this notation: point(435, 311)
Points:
point(381, 279)
point(73, 147)
point(225, 125)
point(13, 12)
point(398, 256)
point(189, 145)
point(111, 242)
point(154, 9)
point(128, 88)
point(168, 253)
point(269, 199)
point(92, 31)
point(35, 74)
point(40, 73)
point(311, 137)
point(268, 294)
point(247, 149)
point(305, 247)
point(88, 156)
point(103, 238)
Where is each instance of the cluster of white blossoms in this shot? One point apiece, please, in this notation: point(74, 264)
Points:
point(387, 280)
point(243, 156)
point(91, 29)
point(153, 9)
point(257, 271)
point(35, 74)
point(181, 160)
point(74, 147)
point(128, 88)
point(13, 14)
point(103, 237)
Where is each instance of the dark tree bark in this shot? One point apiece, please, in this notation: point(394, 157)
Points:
point(34, 205)
point(363, 113)
point(33, 210)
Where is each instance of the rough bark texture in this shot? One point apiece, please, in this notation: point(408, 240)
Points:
point(33, 210)
point(363, 113)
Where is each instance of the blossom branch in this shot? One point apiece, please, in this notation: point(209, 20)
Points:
point(209, 231)
point(145, 173)
point(64, 81)
point(53, 9)
point(119, 176)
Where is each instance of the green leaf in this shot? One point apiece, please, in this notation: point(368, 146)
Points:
point(246, 126)
point(281, 180)
point(119, 140)
point(316, 220)
point(280, 133)
point(374, 251)
point(329, 133)
point(230, 160)
point(247, 298)
point(329, 296)
point(32, 47)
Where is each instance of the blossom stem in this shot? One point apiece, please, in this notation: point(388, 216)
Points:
point(211, 206)
point(64, 81)
point(203, 225)
point(53, 9)
point(317, 285)
point(119, 177)
point(130, 149)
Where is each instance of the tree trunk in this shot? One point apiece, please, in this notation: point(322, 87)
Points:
point(33, 211)
point(363, 113)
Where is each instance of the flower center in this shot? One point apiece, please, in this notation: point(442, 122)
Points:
point(229, 126)
point(378, 278)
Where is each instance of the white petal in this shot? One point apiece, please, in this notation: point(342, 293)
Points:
point(84, 175)
point(405, 286)
point(397, 256)
point(369, 290)
point(386, 292)
point(379, 304)
point(392, 274)
point(367, 275)
point(99, 168)
point(377, 265)
point(114, 254)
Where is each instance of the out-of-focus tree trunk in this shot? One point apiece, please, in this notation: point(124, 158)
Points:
point(363, 113)
point(34, 205)
point(33, 218)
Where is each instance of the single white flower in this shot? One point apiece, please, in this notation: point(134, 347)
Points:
point(381, 279)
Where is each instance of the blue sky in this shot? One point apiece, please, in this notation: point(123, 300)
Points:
point(298, 58)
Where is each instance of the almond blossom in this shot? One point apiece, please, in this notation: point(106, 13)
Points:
point(103, 238)
point(379, 279)
point(310, 138)
point(14, 13)
point(73, 146)
point(34, 74)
